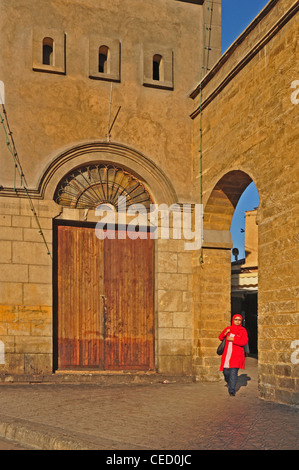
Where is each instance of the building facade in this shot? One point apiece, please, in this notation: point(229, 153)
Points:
point(108, 101)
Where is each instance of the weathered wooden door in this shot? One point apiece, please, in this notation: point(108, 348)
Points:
point(105, 301)
point(129, 325)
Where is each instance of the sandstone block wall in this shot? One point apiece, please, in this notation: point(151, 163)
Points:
point(25, 288)
point(248, 124)
point(174, 307)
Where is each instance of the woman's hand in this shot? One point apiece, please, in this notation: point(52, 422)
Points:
point(230, 338)
point(227, 331)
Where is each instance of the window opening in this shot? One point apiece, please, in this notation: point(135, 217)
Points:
point(48, 49)
point(104, 56)
point(158, 68)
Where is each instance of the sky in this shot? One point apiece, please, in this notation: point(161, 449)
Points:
point(236, 16)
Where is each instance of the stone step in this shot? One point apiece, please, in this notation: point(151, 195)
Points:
point(101, 378)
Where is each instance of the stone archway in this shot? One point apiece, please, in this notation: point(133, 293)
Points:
point(157, 182)
point(212, 274)
point(173, 290)
point(223, 200)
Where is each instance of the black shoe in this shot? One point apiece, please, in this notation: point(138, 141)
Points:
point(232, 394)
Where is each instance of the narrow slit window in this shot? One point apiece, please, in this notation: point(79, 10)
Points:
point(104, 59)
point(48, 51)
point(158, 73)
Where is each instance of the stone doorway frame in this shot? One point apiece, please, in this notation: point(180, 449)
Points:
point(212, 273)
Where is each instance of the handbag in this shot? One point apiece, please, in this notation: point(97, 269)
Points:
point(220, 348)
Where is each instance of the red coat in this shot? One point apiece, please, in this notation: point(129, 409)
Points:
point(234, 355)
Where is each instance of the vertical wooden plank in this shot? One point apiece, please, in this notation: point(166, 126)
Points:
point(66, 350)
point(129, 287)
point(80, 309)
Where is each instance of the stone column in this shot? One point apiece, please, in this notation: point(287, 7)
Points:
point(212, 302)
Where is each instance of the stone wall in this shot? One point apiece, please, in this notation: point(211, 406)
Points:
point(54, 108)
point(174, 307)
point(248, 125)
point(211, 310)
point(25, 287)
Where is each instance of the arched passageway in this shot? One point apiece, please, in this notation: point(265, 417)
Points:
point(212, 276)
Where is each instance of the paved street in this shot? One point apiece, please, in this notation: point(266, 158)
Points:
point(153, 416)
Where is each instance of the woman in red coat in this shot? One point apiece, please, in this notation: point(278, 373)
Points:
point(233, 357)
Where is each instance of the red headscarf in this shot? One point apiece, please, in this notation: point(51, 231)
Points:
point(236, 328)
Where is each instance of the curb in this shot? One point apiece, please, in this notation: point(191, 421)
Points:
point(95, 379)
point(40, 437)
point(37, 436)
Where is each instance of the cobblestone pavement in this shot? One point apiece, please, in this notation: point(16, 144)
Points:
point(157, 416)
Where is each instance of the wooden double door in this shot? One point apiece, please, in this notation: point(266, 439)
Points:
point(104, 301)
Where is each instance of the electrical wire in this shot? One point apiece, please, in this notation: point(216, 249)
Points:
point(18, 168)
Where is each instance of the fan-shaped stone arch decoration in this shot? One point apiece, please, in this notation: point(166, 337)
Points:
point(88, 186)
point(156, 181)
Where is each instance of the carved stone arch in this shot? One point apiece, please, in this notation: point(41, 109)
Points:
point(100, 183)
point(226, 192)
point(144, 169)
point(220, 206)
